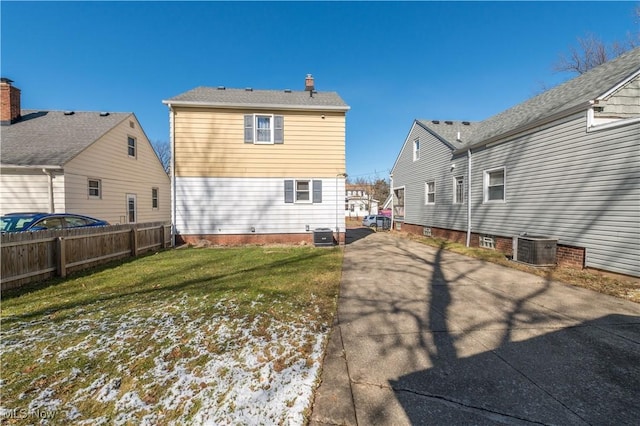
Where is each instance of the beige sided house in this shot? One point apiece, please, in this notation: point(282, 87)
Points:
point(257, 166)
point(91, 163)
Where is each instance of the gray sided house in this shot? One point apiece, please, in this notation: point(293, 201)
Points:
point(564, 165)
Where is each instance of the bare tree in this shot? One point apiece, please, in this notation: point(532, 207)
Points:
point(591, 51)
point(163, 151)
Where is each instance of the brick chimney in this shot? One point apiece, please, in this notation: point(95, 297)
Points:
point(9, 102)
point(309, 83)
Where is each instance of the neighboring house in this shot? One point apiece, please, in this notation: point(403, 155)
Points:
point(92, 163)
point(359, 201)
point(564, 164)
point(257, 166)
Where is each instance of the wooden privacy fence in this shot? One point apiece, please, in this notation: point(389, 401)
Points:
point(35, 256)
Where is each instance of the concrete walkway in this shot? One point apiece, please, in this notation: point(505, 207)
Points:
point(428, 337)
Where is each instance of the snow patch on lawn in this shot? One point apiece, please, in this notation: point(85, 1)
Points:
point(167, 367)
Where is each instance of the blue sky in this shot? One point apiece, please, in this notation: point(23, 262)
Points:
point(391, 62)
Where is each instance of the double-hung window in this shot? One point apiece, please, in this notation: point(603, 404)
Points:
point(430, 192)
point(131, 146)
point(416, 149)
point(494, 185)
point(95, 188)
point(303, 191)
point(154, 198)
point(263, 129)
point(458, 190)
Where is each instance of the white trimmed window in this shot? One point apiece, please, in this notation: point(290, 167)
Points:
point(95, 188)
point(430, 192)
point(303, 191)
point(132, 210)
point(495, 185)
point(131, 146)
point(458, 190)
point(416, 149)
point(263, 129)
point(154, 198)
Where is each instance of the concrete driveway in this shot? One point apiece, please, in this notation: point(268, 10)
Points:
point(428, 337)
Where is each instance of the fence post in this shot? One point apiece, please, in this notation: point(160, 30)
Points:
point(62, 257)
point(162, 246)
point(134, 241)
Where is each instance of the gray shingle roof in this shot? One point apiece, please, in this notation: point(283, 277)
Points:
point(570, 94)
point(51, 137)
point(448, 130)
point(212, 96)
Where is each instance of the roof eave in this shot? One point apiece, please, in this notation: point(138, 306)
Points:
point(500, 138)
point(195, 104)
point(32, 166)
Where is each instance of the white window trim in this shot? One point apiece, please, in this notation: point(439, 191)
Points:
point(416, 149)
point(157, 198)
point(135, 146)
point(94, 197)
point(455, 190)
point(295, 191)
point(272, 125)
point(135, 207)
point(485, 186)
point(595, 124)
point(426, 193)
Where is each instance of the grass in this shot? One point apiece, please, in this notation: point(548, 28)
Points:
point(130, 337)
point(614, 285)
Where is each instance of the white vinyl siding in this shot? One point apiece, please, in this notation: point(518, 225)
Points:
point(27, 190)
point(235, 205)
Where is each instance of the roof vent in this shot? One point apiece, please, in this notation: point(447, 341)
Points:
point(104, 114)
point(287, 90)
point(435, 121)
point(69, 112)
point(448, 122)
point(221, 88)
point(466, 123)
point(248, 89)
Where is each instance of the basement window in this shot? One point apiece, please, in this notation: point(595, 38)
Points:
point(487, 241)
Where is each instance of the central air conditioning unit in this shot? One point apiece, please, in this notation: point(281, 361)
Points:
point(535, 250)
point(323, 237)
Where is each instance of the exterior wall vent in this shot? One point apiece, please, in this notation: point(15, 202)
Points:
point(535, 250)
point(487, 241)
point(426, 231)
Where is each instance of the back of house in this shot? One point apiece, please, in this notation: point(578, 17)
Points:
point(257, 166)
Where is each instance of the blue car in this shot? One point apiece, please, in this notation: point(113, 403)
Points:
point(20, 222)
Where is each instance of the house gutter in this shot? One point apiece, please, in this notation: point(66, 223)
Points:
point(258, 106)
point(468, 197)
point(172, 144)
point(504, 137)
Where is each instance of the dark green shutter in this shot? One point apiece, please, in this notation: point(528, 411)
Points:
point(288, 191)
point(317, 191)
point(278, 129)
point(248, 128)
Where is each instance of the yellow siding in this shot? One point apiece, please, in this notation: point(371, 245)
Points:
point(108, 160)
point(210, 142)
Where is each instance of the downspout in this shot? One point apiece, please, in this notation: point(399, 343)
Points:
point(392, 198)
point(49, 174)
point(172, 132)
point(468, 197)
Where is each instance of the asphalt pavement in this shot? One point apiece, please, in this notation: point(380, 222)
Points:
point(428, 337)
